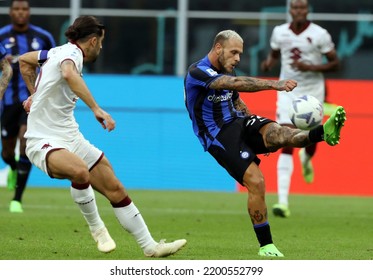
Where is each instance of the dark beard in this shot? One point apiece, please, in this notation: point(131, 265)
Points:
point(221, 65)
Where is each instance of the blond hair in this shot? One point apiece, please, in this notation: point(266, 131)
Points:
point(225, 35)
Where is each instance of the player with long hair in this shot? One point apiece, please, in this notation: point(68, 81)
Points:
point(57, 147)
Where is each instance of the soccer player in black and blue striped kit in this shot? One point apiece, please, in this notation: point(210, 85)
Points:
point(18, 38)
point(233, 135)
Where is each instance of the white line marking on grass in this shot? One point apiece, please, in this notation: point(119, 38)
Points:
point(143, 209)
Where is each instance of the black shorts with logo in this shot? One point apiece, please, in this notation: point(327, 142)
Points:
point(12, 117)
point(238, 144)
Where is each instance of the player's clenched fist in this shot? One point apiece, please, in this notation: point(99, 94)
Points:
point(287, 85)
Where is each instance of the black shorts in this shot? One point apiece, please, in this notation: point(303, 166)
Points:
point(238, 144)
point(12, 117)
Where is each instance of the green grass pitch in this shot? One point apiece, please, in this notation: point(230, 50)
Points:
point(215, 224)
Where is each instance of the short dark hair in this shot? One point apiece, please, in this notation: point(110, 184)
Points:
point(11, 3)
point(84, 27)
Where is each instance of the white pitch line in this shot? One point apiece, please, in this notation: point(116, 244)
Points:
point(143, 209)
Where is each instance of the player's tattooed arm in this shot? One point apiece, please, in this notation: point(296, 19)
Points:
point(250, 84)
point(6, 75)
point(28, 63)
point(239, 105)
point(30, 81)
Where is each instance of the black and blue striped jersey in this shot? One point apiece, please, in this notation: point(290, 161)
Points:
point(16, 44)
point(208, 109)
point(2, 52)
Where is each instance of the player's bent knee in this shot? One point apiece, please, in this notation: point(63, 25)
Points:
point(255, 184)
point(80, 174)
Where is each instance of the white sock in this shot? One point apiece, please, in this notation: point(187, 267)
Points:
point(131, 220)
point(285, 168)
point(85, 199)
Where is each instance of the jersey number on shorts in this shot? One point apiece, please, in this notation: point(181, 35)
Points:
point(253, 119)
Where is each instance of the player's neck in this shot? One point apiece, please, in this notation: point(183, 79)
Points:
point(20, 28)
point(214, 60)
point(299, 26)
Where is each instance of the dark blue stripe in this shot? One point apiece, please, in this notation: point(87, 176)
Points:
point(261, 225)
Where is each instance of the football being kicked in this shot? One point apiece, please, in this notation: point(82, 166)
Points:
point(306, 112)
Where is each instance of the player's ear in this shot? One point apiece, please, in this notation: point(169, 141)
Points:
point(218, 48)
point(93, 41)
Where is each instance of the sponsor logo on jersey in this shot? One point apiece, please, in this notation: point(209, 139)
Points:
point(211, 72)
point(220, 98)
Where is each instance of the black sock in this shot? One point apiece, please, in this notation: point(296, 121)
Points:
point(10, 161)
point(317, 134)
point(263, 234)
point(23, 172)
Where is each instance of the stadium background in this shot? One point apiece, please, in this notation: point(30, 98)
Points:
point(139, 80)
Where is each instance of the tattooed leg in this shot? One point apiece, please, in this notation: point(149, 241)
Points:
point(276, 136)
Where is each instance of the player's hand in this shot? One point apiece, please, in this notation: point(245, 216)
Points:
point(104, 119)
point(301, 66)
point(286, 85)
point(27, 104)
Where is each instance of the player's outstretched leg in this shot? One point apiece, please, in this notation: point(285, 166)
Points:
point(270, 250)
point(333, 126)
